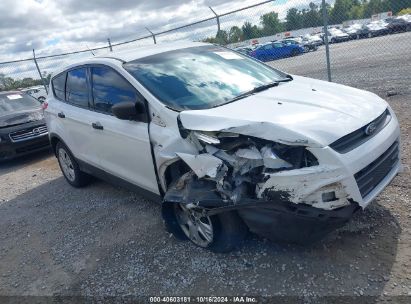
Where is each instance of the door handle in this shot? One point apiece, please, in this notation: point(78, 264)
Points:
point(97, 125)
point(61, 115)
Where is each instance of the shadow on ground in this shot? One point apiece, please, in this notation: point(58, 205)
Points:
point(106, 241)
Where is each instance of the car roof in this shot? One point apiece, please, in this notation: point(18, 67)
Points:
point(120, 57)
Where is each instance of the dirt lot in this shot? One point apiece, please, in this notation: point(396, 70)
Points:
point(106, 241)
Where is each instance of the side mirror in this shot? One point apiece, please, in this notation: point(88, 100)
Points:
point(129, 110)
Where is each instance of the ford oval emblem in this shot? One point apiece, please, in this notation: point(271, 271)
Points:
point(370, 129)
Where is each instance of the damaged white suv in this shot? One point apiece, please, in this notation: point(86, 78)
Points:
point(226, 143)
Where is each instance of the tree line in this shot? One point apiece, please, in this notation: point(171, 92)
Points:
point(9, 83)
point(342, 10)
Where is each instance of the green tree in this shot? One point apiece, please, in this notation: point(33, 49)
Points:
point(271, 24)
point(341, 10)
point(250, 31)
point(373, 7)
point(235, 34)
point(221, 37)
point(294, 20)
point(312, 17)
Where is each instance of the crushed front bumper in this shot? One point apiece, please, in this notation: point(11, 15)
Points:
point(302, 224)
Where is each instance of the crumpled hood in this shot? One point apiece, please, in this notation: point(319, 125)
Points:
point(18, 118)
point(301, 112)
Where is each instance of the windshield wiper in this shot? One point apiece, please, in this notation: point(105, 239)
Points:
point(255, 90)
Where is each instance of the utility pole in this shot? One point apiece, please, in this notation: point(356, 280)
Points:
point(217, 18)
point(38, 70)
point(152, 35)
point(327, 48)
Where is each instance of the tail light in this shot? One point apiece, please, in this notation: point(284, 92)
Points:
point(44, 105)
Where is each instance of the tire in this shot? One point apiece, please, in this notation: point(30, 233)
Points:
point(369, 35)
point(218, 233)
point(69, 167)
point(357, 37)
point(306, 49)
point(333, 40)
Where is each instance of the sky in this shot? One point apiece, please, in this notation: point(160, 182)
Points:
point(60, 26)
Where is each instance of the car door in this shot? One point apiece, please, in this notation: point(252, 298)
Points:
point(73, 114)
point(280, 50)
point(124, 145)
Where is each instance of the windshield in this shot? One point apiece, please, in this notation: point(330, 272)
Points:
point(14, 102)
point(200, 77)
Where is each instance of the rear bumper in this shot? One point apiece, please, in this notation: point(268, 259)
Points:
point(10, 150)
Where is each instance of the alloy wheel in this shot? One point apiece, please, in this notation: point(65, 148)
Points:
point(197, 227)
point(66, 165)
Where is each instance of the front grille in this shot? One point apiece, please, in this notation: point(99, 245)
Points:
point(355, 139)
point(369, 177)
point(28, 133)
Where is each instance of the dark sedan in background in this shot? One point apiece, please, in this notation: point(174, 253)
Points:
point(22, 126)
point(306, 44)
point(396, 25)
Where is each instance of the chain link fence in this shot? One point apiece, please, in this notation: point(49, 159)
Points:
point(312, 38)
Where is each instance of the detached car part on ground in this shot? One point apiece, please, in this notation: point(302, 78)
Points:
point(235, 144)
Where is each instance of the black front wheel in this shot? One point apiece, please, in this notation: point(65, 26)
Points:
point(70, 168)
point(218, 233)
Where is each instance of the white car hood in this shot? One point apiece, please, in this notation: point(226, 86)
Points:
point(300, 112)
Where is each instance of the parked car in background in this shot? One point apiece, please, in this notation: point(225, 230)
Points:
point(315, 38)
point(246, 50)
point(376, 28)
point(38, 92)
point(224, 142)
point(356, 31)
point(395, 25)
point(22, 126)
point(276, 50)
point(306, 44)
point(336, 35)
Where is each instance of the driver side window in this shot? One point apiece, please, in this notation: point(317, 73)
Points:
point(109, 88)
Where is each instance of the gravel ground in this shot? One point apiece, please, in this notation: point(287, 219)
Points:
point(107, 241)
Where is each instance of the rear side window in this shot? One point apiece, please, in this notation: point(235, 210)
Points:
point(77, 89)
point(110, 88)
point(59, 84)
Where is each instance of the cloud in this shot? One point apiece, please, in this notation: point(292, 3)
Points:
point(61, 26)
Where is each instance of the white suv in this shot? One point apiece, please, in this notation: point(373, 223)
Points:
point(225, 142)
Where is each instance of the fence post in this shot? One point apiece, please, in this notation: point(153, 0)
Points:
point(217, 18)
point(38, 70)
point(327, 49)
point(109, 45)
point(153, 35)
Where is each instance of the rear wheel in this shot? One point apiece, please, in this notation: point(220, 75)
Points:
point(369, 35)
point(70, 168)
point(294, 52)
point(218, 233)
point(306, 49)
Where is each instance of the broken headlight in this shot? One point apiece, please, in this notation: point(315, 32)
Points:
point(253, 152)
